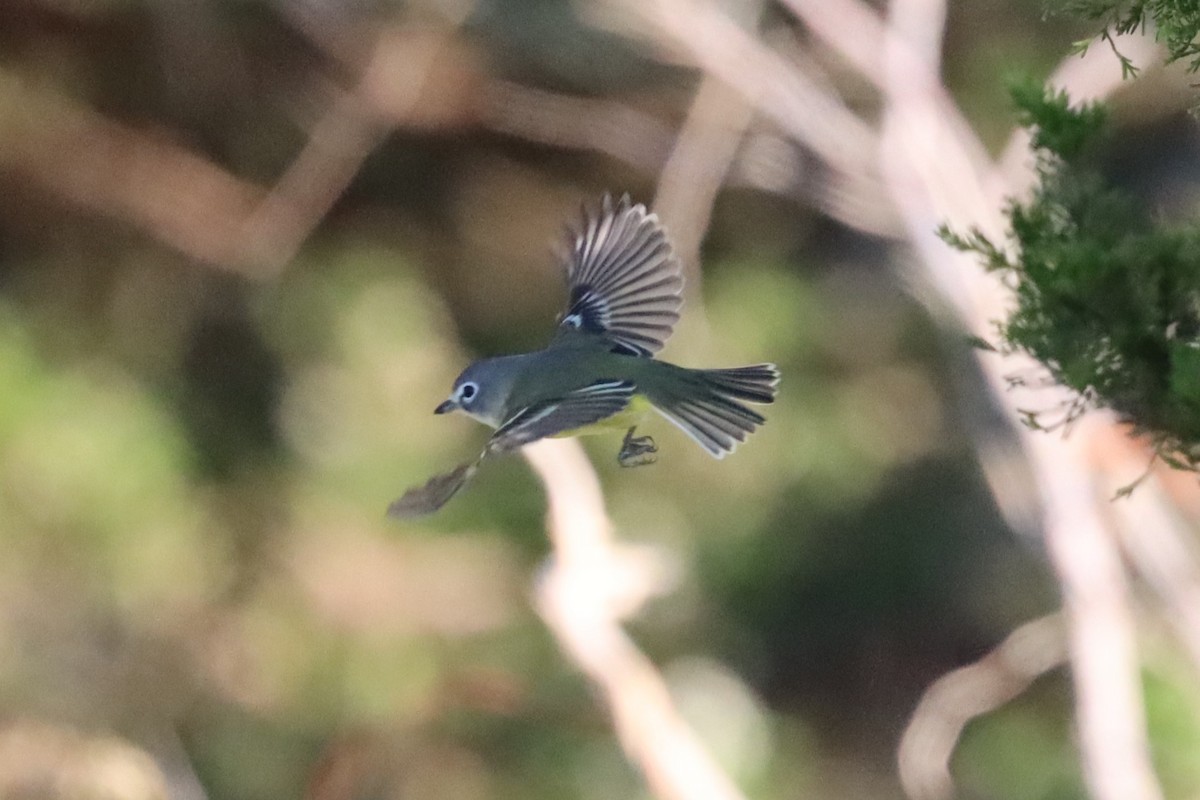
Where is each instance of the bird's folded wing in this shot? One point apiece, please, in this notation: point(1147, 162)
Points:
point(624, 279)
point(574, 410)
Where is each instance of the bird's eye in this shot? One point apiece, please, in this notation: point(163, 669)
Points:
point(467, 391)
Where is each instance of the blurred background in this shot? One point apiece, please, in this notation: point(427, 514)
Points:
point(244, 249)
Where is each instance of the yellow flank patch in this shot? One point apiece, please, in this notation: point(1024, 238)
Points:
point(620, 422)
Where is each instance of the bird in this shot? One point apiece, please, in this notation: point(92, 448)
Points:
point(599, 372)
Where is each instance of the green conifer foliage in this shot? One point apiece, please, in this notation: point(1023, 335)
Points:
point(1108, 299)
point(1175, 23)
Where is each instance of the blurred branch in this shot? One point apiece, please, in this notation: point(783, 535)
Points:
point(1102, 643)
point(765, 160)
point(113, 170)
point(950, 152)
point(193, 205)
point(336, 147)
point(1082, 548)
point(972, 691)
point(936, 170)
point(696, 170)
point(38, 759)
point(701, 34)
point(1162, 550)
point(704, 35)
point(588, 586)
point(418, 78)
point(393, 90)
point(617, 130)
point(1155, 536)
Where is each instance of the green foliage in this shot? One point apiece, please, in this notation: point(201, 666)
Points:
point(1107, 299)
point(1057, 128)
point(1176, 24)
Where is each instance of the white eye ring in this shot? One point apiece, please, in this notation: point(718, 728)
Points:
point(467, 391)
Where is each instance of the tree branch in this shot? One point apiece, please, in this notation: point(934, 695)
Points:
point(957, 697)
point(589, 585)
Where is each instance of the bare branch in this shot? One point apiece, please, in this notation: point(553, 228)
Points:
point(336, 148)
point(956, 698)
point(703, 34)
point(620, 131)
point(588, 586)
point(696, 170)
point(1102, 644)
point(121, 173)
point(390, 90)
point(1156, 538)
point(1112, 729)
point(196, 207)
point(937, 170)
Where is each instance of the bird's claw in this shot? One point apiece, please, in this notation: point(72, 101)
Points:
point(637, 451)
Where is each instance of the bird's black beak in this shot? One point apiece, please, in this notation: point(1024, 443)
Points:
point(446, 407)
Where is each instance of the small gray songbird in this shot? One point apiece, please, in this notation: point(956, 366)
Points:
point(599, 372)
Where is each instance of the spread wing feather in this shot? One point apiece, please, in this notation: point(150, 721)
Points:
point(423, 500)
point(624, 279)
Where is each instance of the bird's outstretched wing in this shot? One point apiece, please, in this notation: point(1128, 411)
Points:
point(423, 500)
point(624, 279)
point(581, 407)
point(573, 410)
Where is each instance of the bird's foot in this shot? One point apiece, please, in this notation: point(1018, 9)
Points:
point(637, 451)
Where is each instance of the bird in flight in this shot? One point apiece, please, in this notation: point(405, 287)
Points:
point(599, 372)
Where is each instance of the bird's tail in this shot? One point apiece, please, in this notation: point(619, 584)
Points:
point(704, 403)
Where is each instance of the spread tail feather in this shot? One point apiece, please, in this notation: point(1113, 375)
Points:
point(756, 384)
point(706, 404)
